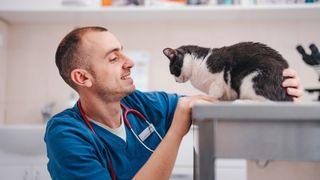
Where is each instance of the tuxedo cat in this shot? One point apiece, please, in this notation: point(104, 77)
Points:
point(246, 70)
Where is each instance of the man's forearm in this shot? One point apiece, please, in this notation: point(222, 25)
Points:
point(161, 162)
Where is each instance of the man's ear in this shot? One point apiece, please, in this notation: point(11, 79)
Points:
point(81, 77)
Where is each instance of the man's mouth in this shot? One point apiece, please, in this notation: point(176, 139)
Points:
point(126, 77)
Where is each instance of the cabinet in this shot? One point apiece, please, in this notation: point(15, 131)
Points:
point(16, 172)
point(15, 166)
point(13, 172)
point(22, 153)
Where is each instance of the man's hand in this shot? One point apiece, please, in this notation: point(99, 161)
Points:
point(182, 116)
point(292, 83)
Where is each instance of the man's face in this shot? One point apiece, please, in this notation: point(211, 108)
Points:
point(109, 66)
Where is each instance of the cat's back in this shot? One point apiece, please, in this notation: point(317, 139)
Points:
point(255, 51)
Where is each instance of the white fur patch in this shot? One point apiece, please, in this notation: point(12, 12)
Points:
point(230, 94)
point(211, 84)
point(247, 90)
point(186, 70)
point(201, 78)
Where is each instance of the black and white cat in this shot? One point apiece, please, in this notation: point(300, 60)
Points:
point(246, 70)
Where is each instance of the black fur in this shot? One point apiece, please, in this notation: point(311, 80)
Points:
point(240, 60)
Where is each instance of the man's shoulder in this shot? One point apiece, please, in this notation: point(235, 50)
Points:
point(67, 115)
point(64, 121)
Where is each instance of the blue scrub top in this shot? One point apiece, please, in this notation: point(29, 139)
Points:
point(75, 152)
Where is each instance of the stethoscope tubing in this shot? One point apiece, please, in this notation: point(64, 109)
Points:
point(86, 120)
point(125, 120)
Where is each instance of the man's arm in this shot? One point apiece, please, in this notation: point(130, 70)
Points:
point(161, 162)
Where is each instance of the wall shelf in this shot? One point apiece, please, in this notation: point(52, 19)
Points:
point(77, 15)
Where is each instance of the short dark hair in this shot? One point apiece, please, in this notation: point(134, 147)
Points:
point(69, 54)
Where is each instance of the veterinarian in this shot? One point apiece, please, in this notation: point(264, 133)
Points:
point(115, 131)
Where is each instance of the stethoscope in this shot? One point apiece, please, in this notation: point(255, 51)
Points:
point(127, 123)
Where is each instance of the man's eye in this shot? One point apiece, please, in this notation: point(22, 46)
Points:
point(114, 59)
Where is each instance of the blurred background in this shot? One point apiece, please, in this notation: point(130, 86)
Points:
point(31, 90)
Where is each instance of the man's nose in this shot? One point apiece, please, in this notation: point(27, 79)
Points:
point(128, 63)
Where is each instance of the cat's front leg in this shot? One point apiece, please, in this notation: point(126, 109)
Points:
point(216, 90)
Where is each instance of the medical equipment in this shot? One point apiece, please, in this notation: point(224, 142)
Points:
point(141, 137)
point(313, 60)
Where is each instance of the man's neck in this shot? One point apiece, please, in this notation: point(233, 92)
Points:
point(107, 113)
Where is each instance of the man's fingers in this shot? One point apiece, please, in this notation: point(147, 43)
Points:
point(294, 92)
point(290, 73)
point(202, 99)
point(291, 83)
point(200, 102)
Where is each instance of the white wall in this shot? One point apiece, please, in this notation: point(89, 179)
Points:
point(3, 59)
point(33, 80)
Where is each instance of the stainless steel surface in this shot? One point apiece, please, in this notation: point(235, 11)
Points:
point(258, 111)
point(255, 131)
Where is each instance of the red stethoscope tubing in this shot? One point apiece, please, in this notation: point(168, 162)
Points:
point(86, 120)
point(126, 111)
point(125, 119)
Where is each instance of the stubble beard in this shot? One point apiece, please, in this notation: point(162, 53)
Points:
point(110, 95)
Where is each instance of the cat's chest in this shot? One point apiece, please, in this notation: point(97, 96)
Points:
point(202, 79)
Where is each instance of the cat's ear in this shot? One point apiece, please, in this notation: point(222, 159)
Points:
point(170, 53)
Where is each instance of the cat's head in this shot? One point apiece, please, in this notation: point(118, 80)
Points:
point(180, 63)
